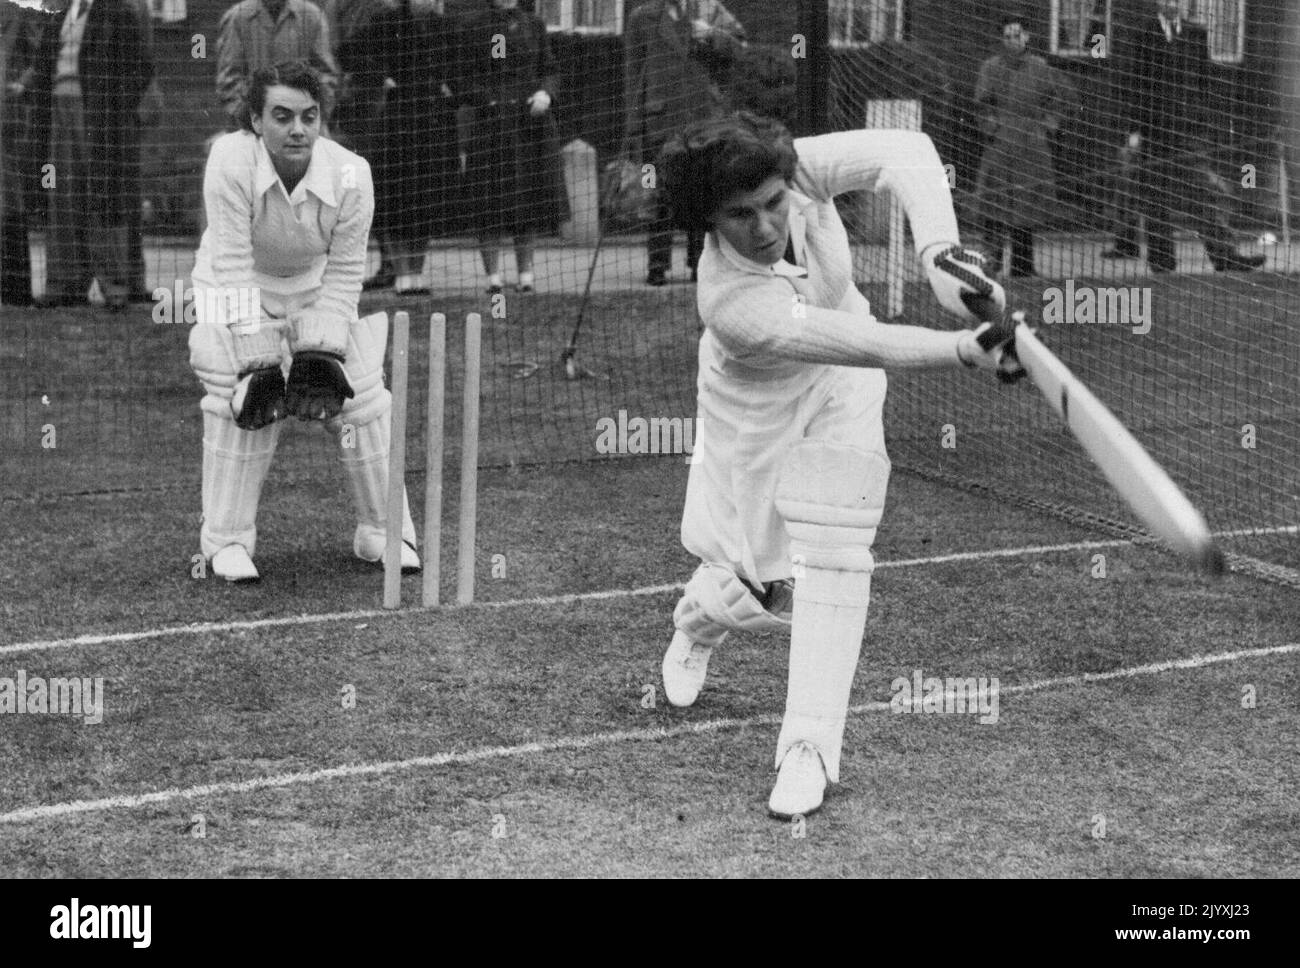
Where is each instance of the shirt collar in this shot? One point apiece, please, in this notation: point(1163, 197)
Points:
point(798, 239)
point(317, 180)
point(1171, 26)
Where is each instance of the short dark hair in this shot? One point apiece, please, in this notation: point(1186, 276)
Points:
point(709, 161)
point(297, 74)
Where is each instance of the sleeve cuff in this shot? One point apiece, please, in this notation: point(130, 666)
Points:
point(256, 348)
point(314, 332)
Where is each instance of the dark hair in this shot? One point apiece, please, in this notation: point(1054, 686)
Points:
point(297, 74)
point(709, 161)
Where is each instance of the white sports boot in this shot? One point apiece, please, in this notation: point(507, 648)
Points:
point(233, 564)
point(686, 664)
point(800, 784)
point(369, 547)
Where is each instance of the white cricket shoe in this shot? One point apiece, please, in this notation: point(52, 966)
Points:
point(686, 663)
point(800, 784)
point(371, 548)
point(233, 564)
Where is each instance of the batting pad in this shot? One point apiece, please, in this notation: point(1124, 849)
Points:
point(715, 602)
point(362, 429)
point(235, 463)
point(831, 496)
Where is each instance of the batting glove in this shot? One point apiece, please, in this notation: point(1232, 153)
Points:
point(993, 347)
point(258, 400)
point(957, 278)
point(317, 386)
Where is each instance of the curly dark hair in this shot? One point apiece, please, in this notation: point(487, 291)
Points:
point(297, 74)
point(709, 161)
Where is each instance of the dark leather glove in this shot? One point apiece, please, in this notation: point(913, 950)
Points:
point(258, 400)
point(317, 386)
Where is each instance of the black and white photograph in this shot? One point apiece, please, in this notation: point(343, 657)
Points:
point(669, 439)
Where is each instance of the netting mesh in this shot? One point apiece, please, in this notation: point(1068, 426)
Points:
point(1160, 265)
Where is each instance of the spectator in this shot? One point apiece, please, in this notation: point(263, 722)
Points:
point(19, 37)
point(1170, 69)
point(263, 33)
point(402, 65)
point(1024, 100)
point(346, 20)
point(669, 45)
point(512, 166)
point(98, 66)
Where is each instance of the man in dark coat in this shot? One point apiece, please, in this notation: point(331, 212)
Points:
point(97, 66)
point(1025, 101)
point(1168, 77)
point(666, 85)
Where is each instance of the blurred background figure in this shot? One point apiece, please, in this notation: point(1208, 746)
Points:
point(401, 62)
point(262, 33)
point(20, 28)
point(513, 181)
point(1168, 69)
point(1024, 101)
point(669, 48)
point(97, 65)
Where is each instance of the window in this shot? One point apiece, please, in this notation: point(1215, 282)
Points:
point(1077, 25)
point(582, 16)
point(858, 23)
point(1225, 23)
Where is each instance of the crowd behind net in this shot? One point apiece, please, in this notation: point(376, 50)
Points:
point(1161, 268)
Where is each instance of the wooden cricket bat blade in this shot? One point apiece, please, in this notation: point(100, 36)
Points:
point(1145, 487)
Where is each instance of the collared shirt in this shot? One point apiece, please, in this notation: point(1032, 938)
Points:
point(1172, 28)
point(304, 250)
point(71, 34)
point(764, 321)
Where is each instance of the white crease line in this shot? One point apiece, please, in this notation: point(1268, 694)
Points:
point(590, 741)
point(287, 621)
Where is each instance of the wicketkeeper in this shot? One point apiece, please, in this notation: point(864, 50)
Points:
point(276, 284)
point(789, 478)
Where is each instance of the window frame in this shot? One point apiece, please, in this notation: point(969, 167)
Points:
point(567, 25)
point(843, 43)
point(1085, 52)
point(1204, 14)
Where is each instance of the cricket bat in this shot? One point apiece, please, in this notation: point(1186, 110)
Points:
point(1143, 484)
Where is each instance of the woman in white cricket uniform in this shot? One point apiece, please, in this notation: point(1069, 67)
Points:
point(276, 282)
point(789, 473)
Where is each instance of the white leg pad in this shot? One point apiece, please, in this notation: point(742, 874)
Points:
point(235, 463)
point(715, 602)
point(832, 497)
point(363, 429)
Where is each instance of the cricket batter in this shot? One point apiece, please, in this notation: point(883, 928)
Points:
point(789, 478)
point(276, 284)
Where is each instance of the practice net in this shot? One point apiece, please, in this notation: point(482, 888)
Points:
point(1135, 256)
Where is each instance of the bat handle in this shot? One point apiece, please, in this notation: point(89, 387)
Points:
point(982, 306)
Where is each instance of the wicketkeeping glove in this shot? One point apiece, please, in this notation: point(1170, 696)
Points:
point(993, 347)
point(957, 275)
point(258, 400)
point(317, 386)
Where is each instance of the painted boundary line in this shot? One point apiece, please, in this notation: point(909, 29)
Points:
point(578, 743)
point(288, 621)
